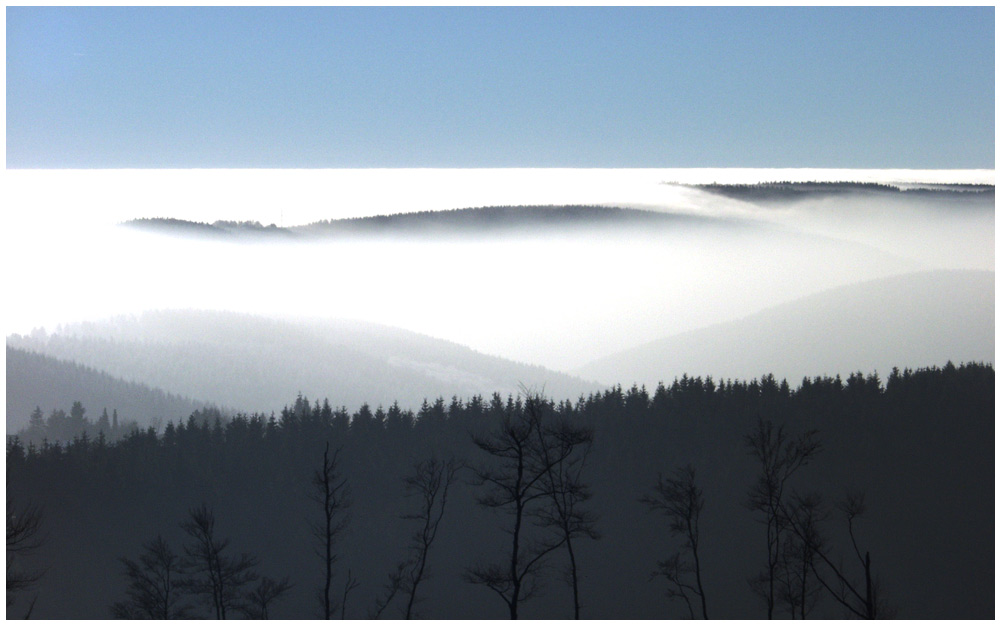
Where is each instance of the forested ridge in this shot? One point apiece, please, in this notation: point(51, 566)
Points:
point(473, 221)
point(247, 362)
point(52, 386)
point(918, 445)
point(787, 190)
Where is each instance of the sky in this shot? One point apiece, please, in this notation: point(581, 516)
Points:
point(464, 87)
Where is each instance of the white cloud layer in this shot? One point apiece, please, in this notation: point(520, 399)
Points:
point(561, 303)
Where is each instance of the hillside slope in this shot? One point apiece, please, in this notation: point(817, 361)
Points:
point(36, 380)
point(260, 364)
point(911, 320)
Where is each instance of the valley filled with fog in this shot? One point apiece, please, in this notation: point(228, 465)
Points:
point(561, 298)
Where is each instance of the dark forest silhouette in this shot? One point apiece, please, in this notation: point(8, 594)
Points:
point(788, 191)
point(730, 464)
point(467, 222)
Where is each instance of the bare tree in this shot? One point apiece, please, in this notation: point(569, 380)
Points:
point(259, 599)
point(397, 581)
point(23, 539)
point(429, 482)
point(516, 483)
point(565, 485)
point(779, 457)
point(155, 585)
point(349, 585)
point(218, 577)
point(330, 492)
point(799, 589)
point(859, 599)
point(681, 500)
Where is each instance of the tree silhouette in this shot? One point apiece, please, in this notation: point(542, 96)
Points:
point(23, 538)
point(516, 483)
point(564, 483)
point(213, 574)
point(779, 458)
point(397, 581)
point(258, 599)
point(155, 585)
point(680, 499)
point(330, 492)
point(429, 482)
point(861, 600)
point(800, 589)
point(350, 584)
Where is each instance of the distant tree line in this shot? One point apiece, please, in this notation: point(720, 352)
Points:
point(477, 219)
point(75, 426)
point(789, 189)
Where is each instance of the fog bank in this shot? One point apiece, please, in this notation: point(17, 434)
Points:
point(557, 301)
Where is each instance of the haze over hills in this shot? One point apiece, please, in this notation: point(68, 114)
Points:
point(911, 320)
point(543, 219)
point(254, 363)
point(556, 282)
point(467, 222)
point(553, 284)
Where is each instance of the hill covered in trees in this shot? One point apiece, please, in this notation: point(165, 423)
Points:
point(53, 385)
point(566, 219)
point(466, 222)
point(503, 219)
point(220, 229)
point(919, 444)
point(251, 362)
point(789, 191)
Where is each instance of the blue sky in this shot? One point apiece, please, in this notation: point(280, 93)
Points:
point(500, 87)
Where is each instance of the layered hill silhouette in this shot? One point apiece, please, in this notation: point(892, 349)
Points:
point(911, 320)
point(490, 220)
point(36, 380)
point(255, 363)
point(790, 191)
point(501, 219)
point(493, 220)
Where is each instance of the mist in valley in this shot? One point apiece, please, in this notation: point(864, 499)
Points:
point(558, 297)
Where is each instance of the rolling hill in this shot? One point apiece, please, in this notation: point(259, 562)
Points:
point(789, 191)
point(911, 320)
point(261, 364)
point(481, 221)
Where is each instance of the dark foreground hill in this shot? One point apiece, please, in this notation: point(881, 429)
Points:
point(920, 445)
point(256, 363)
point(912, 319)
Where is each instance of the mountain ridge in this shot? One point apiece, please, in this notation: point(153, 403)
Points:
point(466, 221)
